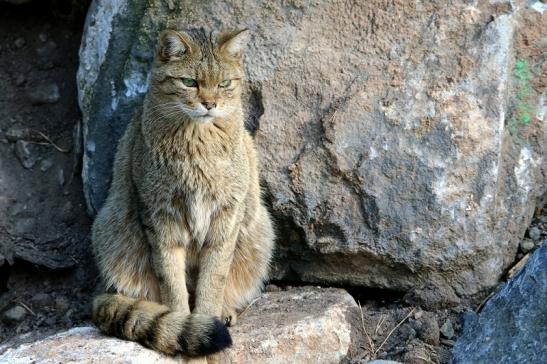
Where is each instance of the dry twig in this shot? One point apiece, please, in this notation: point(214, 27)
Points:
point(370, 343)
point(62, 150)
point(249, 305)
point(393, 330)
point(25, 307)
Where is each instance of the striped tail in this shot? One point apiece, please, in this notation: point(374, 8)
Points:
point(157, 327)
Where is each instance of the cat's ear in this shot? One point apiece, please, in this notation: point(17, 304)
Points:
point(173, 45)
point(232, 43)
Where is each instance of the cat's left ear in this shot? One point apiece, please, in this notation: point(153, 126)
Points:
point(232, 43)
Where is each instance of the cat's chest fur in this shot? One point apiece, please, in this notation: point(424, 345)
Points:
point(195, 188)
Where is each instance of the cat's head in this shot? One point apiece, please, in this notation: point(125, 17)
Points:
point(199, 73)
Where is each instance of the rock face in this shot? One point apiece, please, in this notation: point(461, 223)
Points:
point(512, 328)
point(306, 325)
point(399, 140)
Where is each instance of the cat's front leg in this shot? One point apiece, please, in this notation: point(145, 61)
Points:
point(169, 263)
point(214, 265)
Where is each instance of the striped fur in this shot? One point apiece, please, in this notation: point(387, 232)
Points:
point(159, 328)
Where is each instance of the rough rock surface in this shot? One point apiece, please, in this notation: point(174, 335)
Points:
point(512, 327)
point(306, 325)
point(400, 140)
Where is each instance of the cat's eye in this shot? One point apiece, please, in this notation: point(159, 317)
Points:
point(225, 83)
point(188, 82)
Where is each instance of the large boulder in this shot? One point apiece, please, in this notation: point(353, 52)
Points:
point(512, 327)
point(306, 325)
point(400, 140)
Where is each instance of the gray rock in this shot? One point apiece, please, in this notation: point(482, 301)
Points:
point(47, 49)
point(382, 150)
point(512, 327)
point(44, 94)
point(447, 330)
point(14, 314)
point(41, 299)
point(46, 164)
point(19, 43)
point(534, 233)
point(526, 245)
point(62, 303)
point(427, 328)
point(300, 326)
point(20, 80)
point(24, 152)
point(432, 296)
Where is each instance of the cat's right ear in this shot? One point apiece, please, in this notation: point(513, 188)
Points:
point(173, 45)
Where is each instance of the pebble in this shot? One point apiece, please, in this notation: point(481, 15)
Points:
point(43, 37)
point(46, 164)
point(428, 330)
point(45, 94)
point(17, 132)
point(272, 288)
point(24, 154)
point(526, 245)
point(47, 49)
point(447, 342)
point(447, 330)
point(62, 303)
point(24, 225)
point(19, 43)
point(20, 80)
point(41, 299)
point(61, 177)
point(534, 233)
point(14, 314)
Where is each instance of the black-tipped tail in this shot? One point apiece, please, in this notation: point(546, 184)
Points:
point(157, 327)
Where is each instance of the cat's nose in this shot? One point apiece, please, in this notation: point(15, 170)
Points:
point(209, 105)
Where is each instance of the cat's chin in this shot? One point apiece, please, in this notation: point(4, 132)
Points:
point(203, 119)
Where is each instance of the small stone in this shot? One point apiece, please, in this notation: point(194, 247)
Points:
point(43, 37)
point(24, 154)
point(534, 233)
point(46, 164)
point(447, 330)
point(41, 299)
point(272, 288)
point(14, 314)
point(428, 330)
point(447, 342)
point(543, 219)
point(45, 94)
point(61, 177)
point(526, 245)
point(20, 80)
point(62, 303)
point(47, 50)
point(19, 43)
point(24, 225)
point(432, 296)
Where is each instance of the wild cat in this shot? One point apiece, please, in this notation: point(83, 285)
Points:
point(183, 239)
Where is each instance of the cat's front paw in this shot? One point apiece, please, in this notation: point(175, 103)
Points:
point(229, 316)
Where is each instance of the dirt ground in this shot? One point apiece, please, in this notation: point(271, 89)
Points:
point(47, 277)
point(44, 251)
